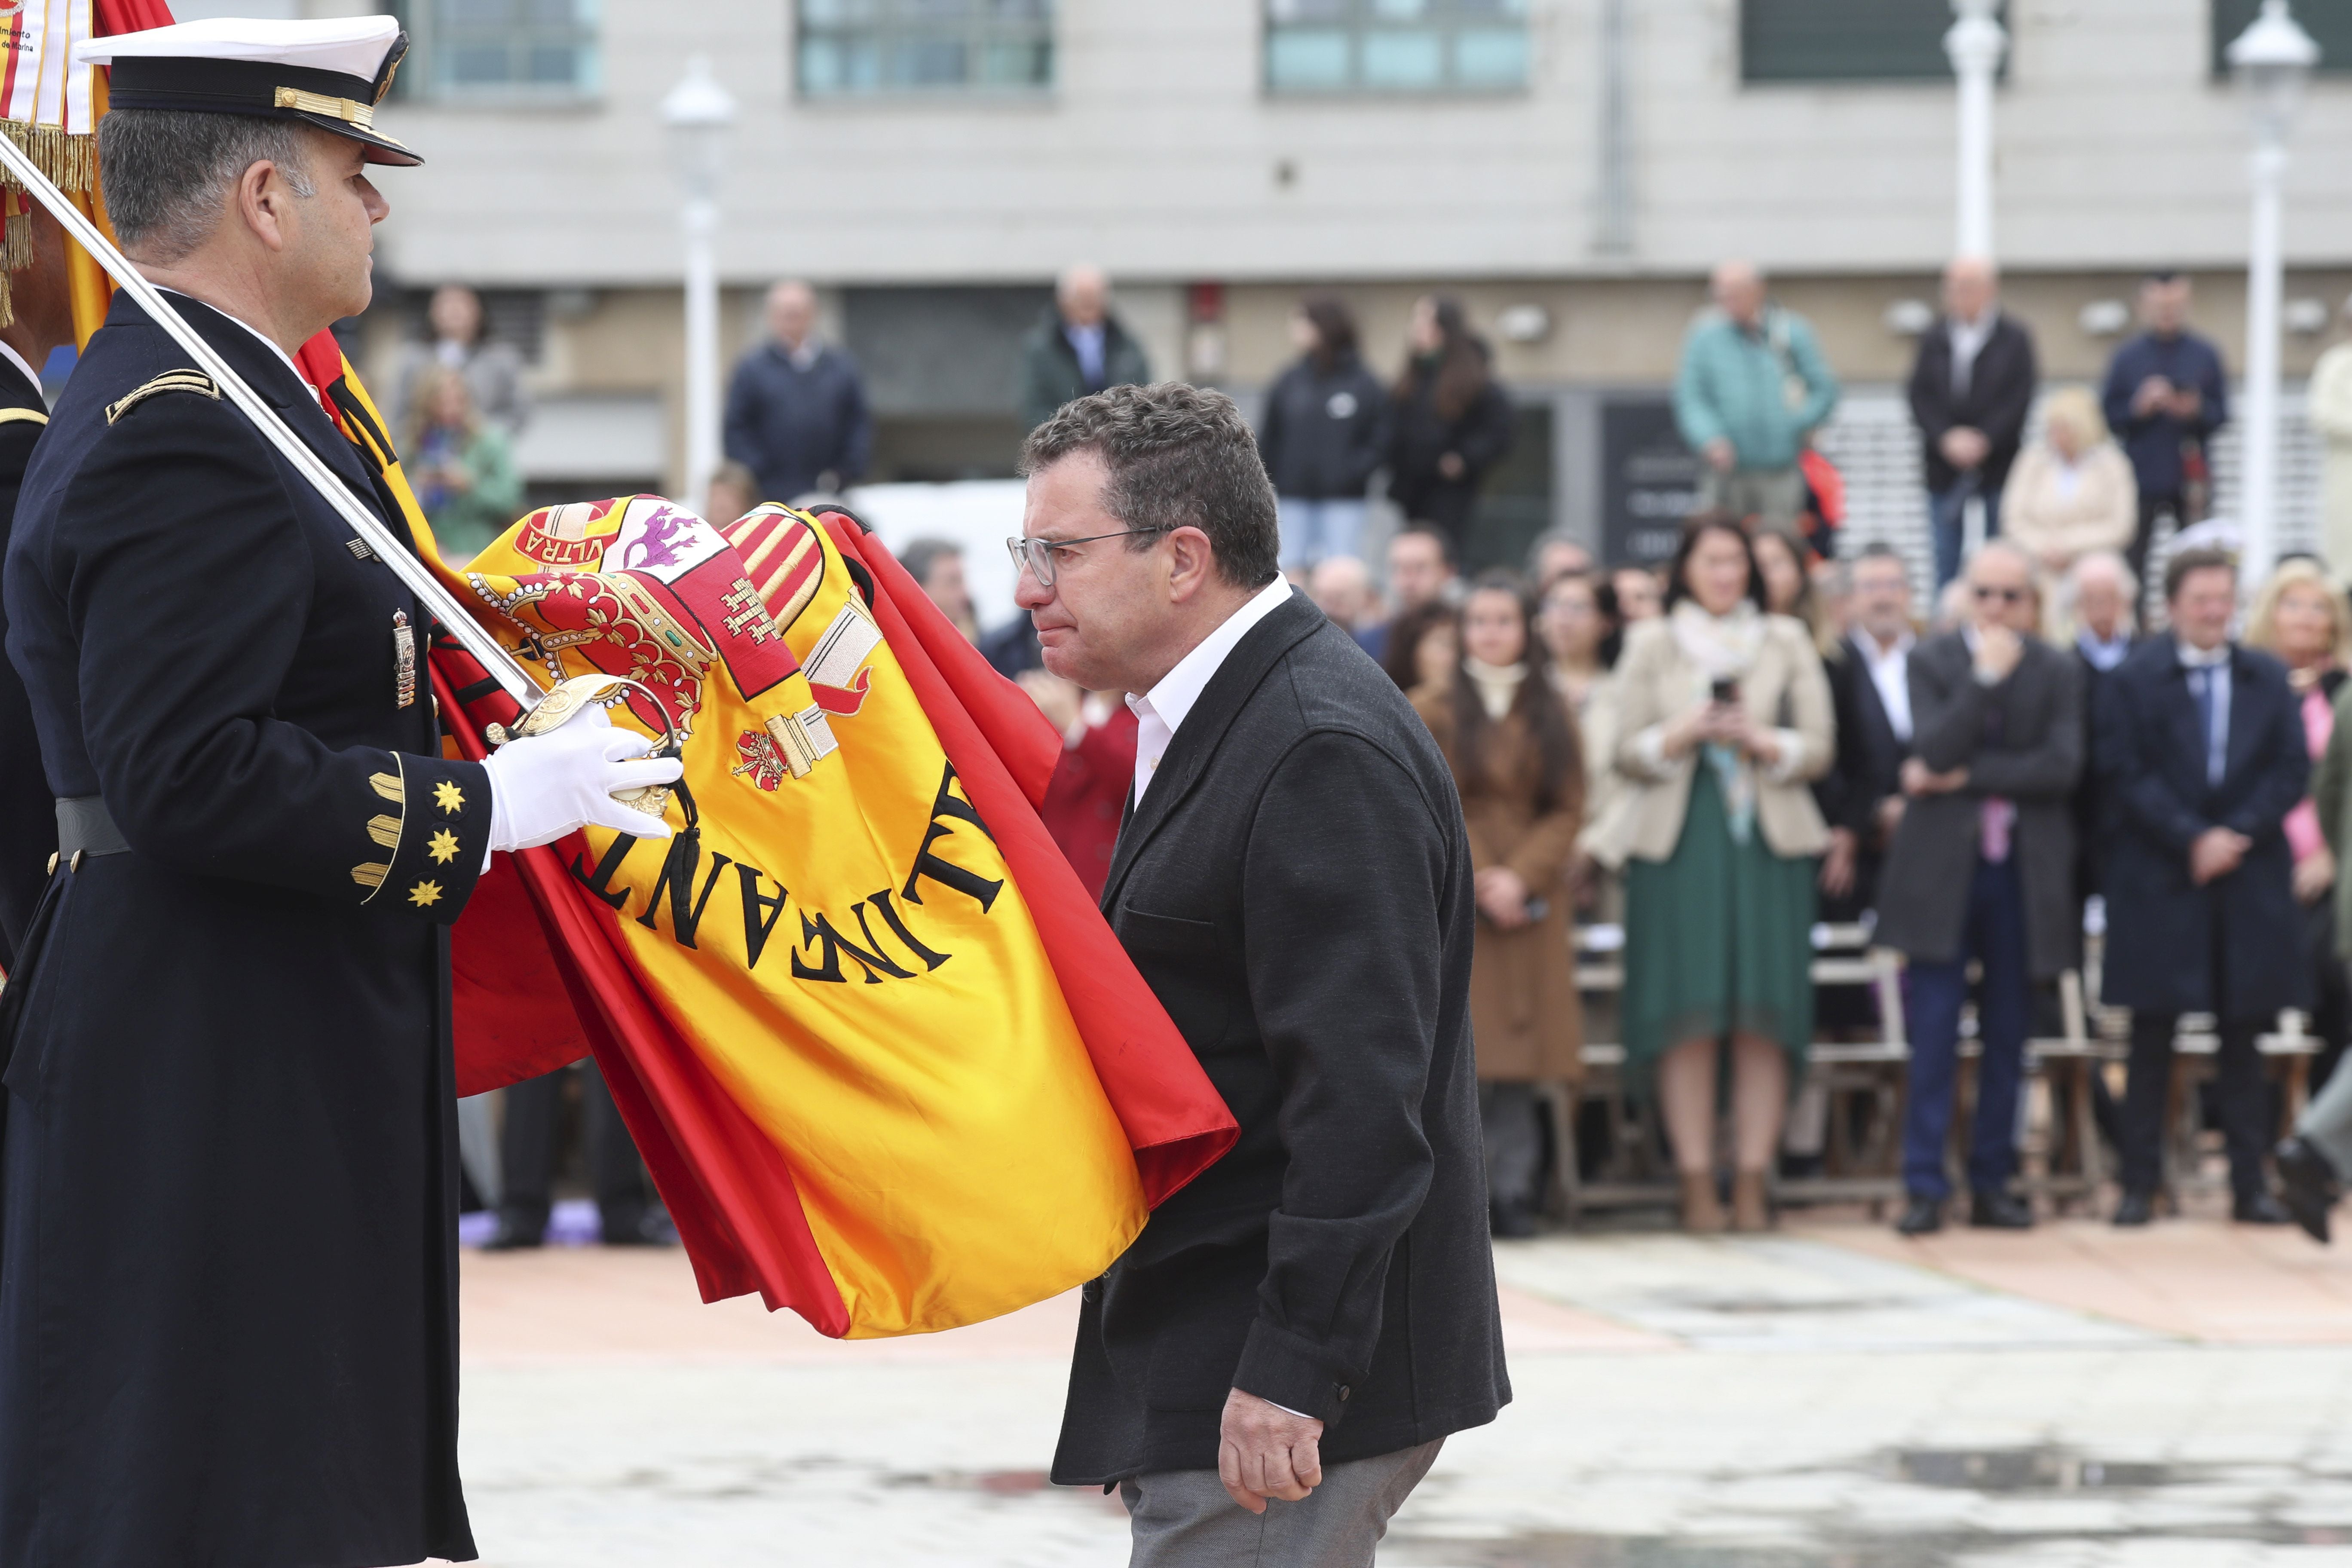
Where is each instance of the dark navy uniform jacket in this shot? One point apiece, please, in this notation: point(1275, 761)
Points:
point(29, 824)
point(228, 1183)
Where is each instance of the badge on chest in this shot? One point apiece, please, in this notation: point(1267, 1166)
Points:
point(404, 660)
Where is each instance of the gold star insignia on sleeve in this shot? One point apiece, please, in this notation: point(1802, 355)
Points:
point(448, 797)
point(424, 893)
point(443, 847)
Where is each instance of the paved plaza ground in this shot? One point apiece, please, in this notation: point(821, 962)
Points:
point(1828, 1396)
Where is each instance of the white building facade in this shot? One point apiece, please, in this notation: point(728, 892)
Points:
point(931, 163)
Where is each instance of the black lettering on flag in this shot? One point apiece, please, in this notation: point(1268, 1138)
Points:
point(831, 945)
point(679, 867)
point(881, 902)
point(946, 811)
point(600, 880)
point(760, 912)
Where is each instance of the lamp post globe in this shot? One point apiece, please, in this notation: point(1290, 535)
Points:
point(2272, 59)
point(699, 113)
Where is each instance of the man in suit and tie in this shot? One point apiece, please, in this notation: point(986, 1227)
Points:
point(1271, 1368)
point(2202, 755)
point(1982, 868)
point(1870, 687)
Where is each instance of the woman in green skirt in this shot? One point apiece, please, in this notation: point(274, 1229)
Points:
point(1724, 718)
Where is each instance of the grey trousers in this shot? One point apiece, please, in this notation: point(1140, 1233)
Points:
point(1774, 496)
point(1185, 1518)
point(2326, 1122)
point(1513, 1139)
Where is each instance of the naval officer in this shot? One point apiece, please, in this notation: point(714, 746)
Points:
point(228, 1180)
point(40, 320)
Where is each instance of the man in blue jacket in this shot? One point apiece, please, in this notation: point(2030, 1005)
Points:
point(796, 414)
point(2201, 753)
point(1752, 388)
point(2165, 396)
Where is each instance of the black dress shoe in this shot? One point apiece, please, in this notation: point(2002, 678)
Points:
point(2259, 1208)
point(1515, 1222)
point(1921, 1217)
point(1989, 1210)
point(651, 1229)
point(512, 1238)
point(2310, 1186)
point(2135, 1209)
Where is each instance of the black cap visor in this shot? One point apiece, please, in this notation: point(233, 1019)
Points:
point(338, 104)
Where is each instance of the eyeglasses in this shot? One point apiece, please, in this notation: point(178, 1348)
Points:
point(1036, 556)
point(1986, 595)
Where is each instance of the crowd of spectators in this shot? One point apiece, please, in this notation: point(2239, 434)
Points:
point(1768, 732)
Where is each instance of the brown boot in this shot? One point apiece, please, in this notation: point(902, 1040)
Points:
point(1702, 1215)
point(1749, 1212)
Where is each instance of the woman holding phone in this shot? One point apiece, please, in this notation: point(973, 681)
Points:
point(1724, 718)
point(1512, 744)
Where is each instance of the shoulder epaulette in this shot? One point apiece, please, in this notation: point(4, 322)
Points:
point(23, 417)
point(169, 381)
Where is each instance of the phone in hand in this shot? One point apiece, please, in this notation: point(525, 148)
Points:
point(1725, 691)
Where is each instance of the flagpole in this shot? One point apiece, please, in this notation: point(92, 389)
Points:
point(391, 550)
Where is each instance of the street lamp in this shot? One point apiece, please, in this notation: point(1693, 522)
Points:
point(699, 113)
point(2272, 59)
point(1975, 46)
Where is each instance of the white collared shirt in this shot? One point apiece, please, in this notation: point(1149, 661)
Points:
point(2104, 656)
point(1968, 338)
point(267, 341)
point(1890, 671)
point(1159, 713)
point(18, 361)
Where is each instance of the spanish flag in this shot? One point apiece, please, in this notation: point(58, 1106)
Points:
point(888, 1064)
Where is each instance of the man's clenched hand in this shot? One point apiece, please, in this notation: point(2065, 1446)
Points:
point(1264, 1451)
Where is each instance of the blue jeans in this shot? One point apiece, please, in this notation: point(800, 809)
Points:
point(1946, 511)
point(1995, 933)
point(1313, 529)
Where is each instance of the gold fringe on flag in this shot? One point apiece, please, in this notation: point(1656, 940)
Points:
point(69, 161)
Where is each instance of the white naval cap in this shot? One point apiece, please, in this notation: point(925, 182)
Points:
point(330, 74)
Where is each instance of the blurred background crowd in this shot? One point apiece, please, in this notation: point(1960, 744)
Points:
point(1812, 613)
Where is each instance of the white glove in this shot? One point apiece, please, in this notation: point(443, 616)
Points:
point(544, 786)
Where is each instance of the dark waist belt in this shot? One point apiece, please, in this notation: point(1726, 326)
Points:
point(85, 827)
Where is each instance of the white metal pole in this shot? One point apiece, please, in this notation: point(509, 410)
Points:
point(2261, 434)
point(702, 224)
point(1975, 45)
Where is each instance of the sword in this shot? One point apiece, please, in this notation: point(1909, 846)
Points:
point(392, 550)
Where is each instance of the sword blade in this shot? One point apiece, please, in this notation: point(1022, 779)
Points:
point(391, 550)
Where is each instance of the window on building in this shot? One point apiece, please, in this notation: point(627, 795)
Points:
point(504, 49)
point(925, 46)
point(1396, 46)
point(2329, 23)
point(1844, 40)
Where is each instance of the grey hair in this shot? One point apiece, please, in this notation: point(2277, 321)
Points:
point(168, 172)
point(1178, 456)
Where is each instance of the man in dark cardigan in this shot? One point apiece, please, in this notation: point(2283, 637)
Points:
point(1983, 867)
point(1271, 1368)
point(2202, 755)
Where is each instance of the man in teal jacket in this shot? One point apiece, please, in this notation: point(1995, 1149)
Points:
point(1752, 387)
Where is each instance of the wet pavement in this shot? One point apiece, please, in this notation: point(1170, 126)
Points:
point(1822, 1398)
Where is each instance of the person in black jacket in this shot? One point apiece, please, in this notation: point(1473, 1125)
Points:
point(1324, 431)
point(1862, 794)
point(43, 322)
point(1451, 422)
point(1312, 1316)
point(2201, 753)
point(1971, 385)
point(796, 413)
point(1080, 346)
